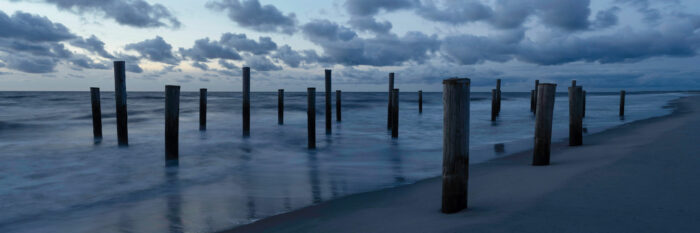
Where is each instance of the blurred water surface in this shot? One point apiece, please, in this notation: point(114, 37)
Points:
point(53, 178)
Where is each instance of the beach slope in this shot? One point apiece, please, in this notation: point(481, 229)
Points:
point(639, 177)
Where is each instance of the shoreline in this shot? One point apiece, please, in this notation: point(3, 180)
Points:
point(491, 184)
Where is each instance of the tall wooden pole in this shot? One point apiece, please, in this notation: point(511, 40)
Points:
point(494, 104)
point(391, 88)
point(246, 101)
point(583, 111)
point(498, 97)
point(96, 114)
point(202, 109)
point(575, 116)
point(311, 116)
point(337, 106)
point(534, 100)
point(172, 114)
point(455, 144)
point(622, 103)
point(420, 101)
point(543, 123)
point(120, 99)
point(395, 113)
point(329, 111)
point(280, 106)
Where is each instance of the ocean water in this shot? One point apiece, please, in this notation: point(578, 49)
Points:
point(54, 178)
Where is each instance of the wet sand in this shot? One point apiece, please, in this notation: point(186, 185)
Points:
point(638, 177)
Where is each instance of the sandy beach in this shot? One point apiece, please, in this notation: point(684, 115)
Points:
point(638, 177)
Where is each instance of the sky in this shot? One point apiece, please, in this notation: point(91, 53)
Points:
point(606, 45)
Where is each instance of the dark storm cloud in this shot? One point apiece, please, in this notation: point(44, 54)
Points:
point(92, 44)
point(87, 63)
point(341, 45)
point(241, 43)
point(156, 50)
point(507, 14)
point(370, 24)
point(606, 18)
point(32, 28)
point(31, 64)
point(680, 39)
point(135, 13)
point(251, 14)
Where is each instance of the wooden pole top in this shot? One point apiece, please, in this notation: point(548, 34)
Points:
point(456, 81)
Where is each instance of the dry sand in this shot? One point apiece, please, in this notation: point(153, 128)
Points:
point(639, 177)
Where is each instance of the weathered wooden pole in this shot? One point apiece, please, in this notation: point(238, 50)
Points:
point(246, 101)
point(338, 109)
point(494, 104)
point(202, 109)
point(311, 116)
point(420, 101)
point(498, 97)
point(96, 114)
point(395, 113)
point(172, 114)
point(455, 144)
point(120, 99)
point(622, 103)
point(573, 83)
point(543, 123)
point(575, 116)
point(391, 89)
point(583, 111)
point(280, 106)
point(532, 100)
point(329, 111)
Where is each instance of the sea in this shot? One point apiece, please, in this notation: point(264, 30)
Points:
point(54, 177)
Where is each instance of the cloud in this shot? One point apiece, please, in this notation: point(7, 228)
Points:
point(606, 18)
point(294, 58)
point(31, 64)
point(87, 63)
point(92, 44)
point(251, 14)
point(370, 24)
point(32, 28)
point(341, 45)
point(241, 43)
point(261, 63)
point(372, 7)
point(155, 49)
point(455, 12)
point(135, 13)
point(204, 49)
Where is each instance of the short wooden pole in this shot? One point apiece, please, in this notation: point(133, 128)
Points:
point(246, 101)
point(575, 116)
point(329, 111)
point(622, 103)
point(172, 114)
point(494, 104)
point(120, 99)
point(543, 123)
point(455, 144)
point(280, 106)
point(573, 83)
point(202, 109)
point(391, 89)
point(420, 101)
point(96, 114)
point(395, 113)
point(311, 116)
point(338, 109)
